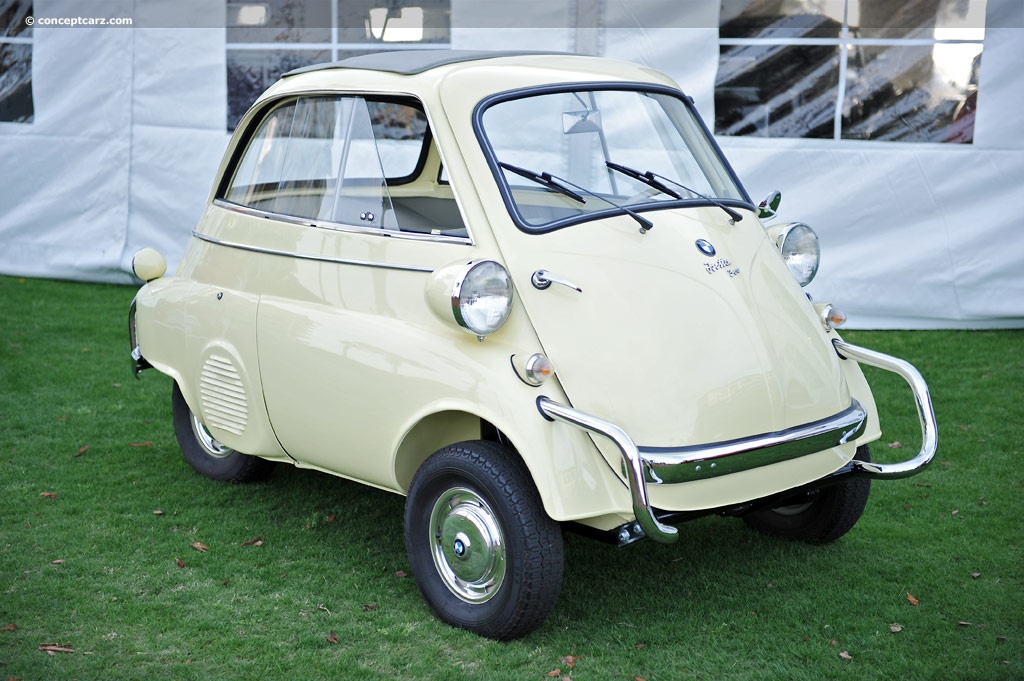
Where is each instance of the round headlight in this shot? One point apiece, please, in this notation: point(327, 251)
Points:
point(799, 246)
point(482, 297)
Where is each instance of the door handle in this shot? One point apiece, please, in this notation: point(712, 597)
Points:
point(543, 279)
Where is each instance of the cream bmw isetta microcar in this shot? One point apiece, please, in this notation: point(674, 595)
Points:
point(526, 291)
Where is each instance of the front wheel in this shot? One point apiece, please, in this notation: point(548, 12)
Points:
point(819, 517)
point(206, 454)
point(484, 554)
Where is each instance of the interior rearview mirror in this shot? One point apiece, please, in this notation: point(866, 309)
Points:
point(574, 122)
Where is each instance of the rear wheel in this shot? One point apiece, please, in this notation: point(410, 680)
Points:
point(819, 517)
point(484, 554)
point(206, 454)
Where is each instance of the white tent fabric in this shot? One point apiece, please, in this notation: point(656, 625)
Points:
point(129, 130)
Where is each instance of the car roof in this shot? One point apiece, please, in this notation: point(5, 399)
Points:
point(409, 62)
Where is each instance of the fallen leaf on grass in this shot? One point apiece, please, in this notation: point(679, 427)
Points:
point(180, 562)
point(48, 495)
point(147, 443)
point(895, 445)
point(895, 628)
point(54, 648)
point(200, 546)
point(14, 627)
point(911, 599)
point(569, 660)
point(639, 678)
point(963, 427)
point(330, 518)
point(845, 655)
point(332, 638)
point(975, 575)
point(255, 541)
point(81, 451)
point(158, 512)
point(400, 574)
point(555, 673)
point(59, 561)
point(640, 646)
point(369, 607)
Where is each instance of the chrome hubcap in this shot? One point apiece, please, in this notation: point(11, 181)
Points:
point(208, 442)
point(467, 545)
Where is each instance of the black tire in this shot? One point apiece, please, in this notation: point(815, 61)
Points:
point(208, 456)
point(484, 554)
point(819, 517)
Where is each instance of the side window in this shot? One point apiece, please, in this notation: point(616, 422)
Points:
point(337, 161)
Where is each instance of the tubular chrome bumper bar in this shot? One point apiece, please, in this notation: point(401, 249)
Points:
point(630, 456)
point(139, 362)
point(655, 465)
point(922, 400)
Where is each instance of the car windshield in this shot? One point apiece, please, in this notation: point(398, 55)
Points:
point(571, 156)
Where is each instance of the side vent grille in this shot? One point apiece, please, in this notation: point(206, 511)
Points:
point(223, 395)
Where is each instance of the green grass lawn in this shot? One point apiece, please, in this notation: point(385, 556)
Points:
point(100, 516)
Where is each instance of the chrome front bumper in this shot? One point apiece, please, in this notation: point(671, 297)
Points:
point(655, 465)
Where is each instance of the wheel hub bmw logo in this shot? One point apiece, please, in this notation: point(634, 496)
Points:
point(705, 247)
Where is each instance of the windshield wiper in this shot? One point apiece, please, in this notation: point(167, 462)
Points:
point(545, 179)
point(652, 179)
point(646, 179)
point(558, 184)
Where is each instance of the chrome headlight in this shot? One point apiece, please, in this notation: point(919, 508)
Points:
point(799, 246)
point(476, 295)
point(482, 297)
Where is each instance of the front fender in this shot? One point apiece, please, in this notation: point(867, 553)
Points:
point(572, 477)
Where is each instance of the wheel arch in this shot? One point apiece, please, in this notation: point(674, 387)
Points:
point(434, 431)
point(573, 479)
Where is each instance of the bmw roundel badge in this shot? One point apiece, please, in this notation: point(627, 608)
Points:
point(705, 247)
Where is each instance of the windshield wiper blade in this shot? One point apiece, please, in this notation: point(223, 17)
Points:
point(544, 179)
point(558, 184)
point(652, 179)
